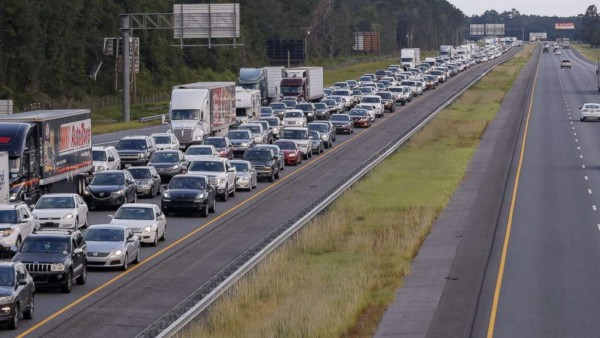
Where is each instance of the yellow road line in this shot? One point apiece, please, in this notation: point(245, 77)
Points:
point(509, 222)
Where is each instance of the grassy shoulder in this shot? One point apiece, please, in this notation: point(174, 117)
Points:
point(340, 273)
point(592, 54)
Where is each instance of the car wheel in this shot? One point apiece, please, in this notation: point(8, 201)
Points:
point(28, 314)
point(76, 223)
point(225, 195)
point(125, 263)
point(135, 198)
point(68, 284)
point(83, 277)
point(213, 209)
point(137, 257)
point(305, 156)
point(18, 244)
point(232, 194)
point(204, 211)
point(277, 175)
point(272, 178)
point(164, 235)
point(155, 243)
point(85, 225)
point(14, 322)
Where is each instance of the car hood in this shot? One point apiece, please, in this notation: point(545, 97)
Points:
point(52, 212)
point(264, 163)
point(163, 164)
point(240, 140)
point(29, 257)
point(100, 163)
point(242, 174)
point(184, 194)
point(99, 246)
point(105, 188)
point(208, 173)
point(132, 223)
point(300, 119)
point(7, 225)
point(191, 158)
point(6, 291)
point(130, 152)
point(340, 123)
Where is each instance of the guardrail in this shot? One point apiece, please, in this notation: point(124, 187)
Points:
point(183, 313)
point(161, 117)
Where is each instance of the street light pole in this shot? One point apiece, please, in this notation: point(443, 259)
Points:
point(125, 44)
point(306, 47)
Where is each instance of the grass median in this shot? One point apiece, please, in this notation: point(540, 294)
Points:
point(341, 271)
point(590, 53)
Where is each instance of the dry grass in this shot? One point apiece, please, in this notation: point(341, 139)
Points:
point(338, 275)
point(587, 51)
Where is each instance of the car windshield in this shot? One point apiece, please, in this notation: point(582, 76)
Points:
point(289, 104)
point(104, 235)
point(329, 103)
point(286, 145)
point(314, 134)
point(8, 216)
point(339, 117)
point(131, 145)
point(266, 110)
point(166, 157)
point(238, 135)
point(7, 276)
point(241, 167)
point(98, 155)
point(273, 122)
point(304, 107)
point(187, 182)
point(55, 203)
point(218, 143)
point(215, 166)
point(108, 179)
point(140, 173)
point(199, 151)
point(253, 129)
point(371, 100)
point(139, 213)
point(320, 106)
point(162, 139)
point(46, 245)
point(294, 134)
point(293, 114)
point(385, 95)
point(257, 155)
point(340, 92)
point(358, 112)
point(318, 127)
point(278, 105)
point(591, 106)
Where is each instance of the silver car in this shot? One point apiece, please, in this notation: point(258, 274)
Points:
point(111, 246)
point(245, 176)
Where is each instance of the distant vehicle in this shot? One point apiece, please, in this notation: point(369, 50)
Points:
point(590, 111)
point(266, 79)
point(360, 118)
point(197, 152)
point(266, 112)
point(302, 83)
point(241, 140)
point(67, 211)
point(410, 57)
point(16, 223)
point(189, 192)
point(278, 108)
point(557, 51)
point(290, 103)
point(135, 150)
point(309, 110)
point(317, 142)
point(326, 132)
point(147, 180)
point(247, 105)
point(223, 145)
point(293, 118)
point(291, 152)
point(168, 163)
point(110, 188)
point(259, 134)
point(275, 125)
point(165, 141)
point(301, 137)
point(111, 246)
point(18, 292)
point(105, 158)
point(245, 176)
point(146, 221)
point(322, 111)
point(342, 123)
point(276, 150)
point(220, 173)
point(388, 101)
point(565, 63)
point(265, 162)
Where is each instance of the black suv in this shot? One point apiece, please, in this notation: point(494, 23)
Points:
point(54, 258)
point(265, 162)
point(135, 150)
point(16, 293)
point(309, 111)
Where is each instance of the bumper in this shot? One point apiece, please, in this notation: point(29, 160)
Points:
point(62, 223)
point(590, 116)
point(132, 163)
point(264, 173)
point(105, 262)
point(239, 184)
point(110, 201)
point(343, 129)
point(361, 123)
point(144, 190)
point(49, 278)
point(239, 151)
point(168, 172)
point(6, 312)
point(170, 205)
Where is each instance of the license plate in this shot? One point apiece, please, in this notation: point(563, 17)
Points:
point(127, 165)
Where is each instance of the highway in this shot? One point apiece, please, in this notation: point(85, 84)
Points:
point(542, 275)
point(122, 304)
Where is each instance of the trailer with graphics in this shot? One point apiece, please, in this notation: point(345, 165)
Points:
point(48, 151)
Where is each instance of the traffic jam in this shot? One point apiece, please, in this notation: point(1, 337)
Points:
point(222, 140)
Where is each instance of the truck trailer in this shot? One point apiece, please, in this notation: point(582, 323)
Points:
point(247, 104)
point(305, 84)
point(410, 57)
point(266, 79)
point(48, 151)
point(201, 109)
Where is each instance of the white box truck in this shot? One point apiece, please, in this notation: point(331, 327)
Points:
point(410, 57)
point(247, 104)
point(447, 51)
point(201, 109)
point(305, 84)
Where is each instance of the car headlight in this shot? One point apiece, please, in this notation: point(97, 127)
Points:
point(222, 180)
point(87, 191)
point(13, 197)
point(119, 192)
point(68, 216)
point(57, 267)
point(141, 156)
point(117, 253)
point(175, 167)
point(7, 232)
point(166, 195)
point(292, 155)
point(268, 168)
point(199, 196)
point(6, 299)
point(244, 144)
point(198, 138)
point(148, 229)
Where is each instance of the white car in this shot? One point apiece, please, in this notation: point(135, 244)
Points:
point(16, 223)
point(375, 101)
point(197, 152)
point(64, 211)
point(146, 221)
point(105, 158)
point(590, 111)
point(258, 131)
point(220, 173)
point(165, 141)
point(301, 137)
point(294, 118)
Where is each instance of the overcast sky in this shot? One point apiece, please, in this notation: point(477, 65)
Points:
point(536, 7)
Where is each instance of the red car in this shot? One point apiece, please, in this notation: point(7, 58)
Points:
point(222, 144)
point(360, 118)
point(290, 150)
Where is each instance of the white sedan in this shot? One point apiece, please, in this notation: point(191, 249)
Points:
point(146, 221)
point(197, 152)
point(65, 211)
point(294, 118)
point(590, 111)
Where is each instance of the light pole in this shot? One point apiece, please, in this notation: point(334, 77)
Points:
point(306, 47)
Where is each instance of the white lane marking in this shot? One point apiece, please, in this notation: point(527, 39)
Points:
point(598, 226)
point(585, 177)
point(578, 148)
point(576, 140)
point(594, 207)
point(590, 191)
point(574, 134)
point(583, 166)
point(580, 156)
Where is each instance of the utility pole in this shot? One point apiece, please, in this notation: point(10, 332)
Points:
point(125, 38)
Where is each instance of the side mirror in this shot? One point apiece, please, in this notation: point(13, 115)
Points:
point(22, 282)
point(111, 159)
point(131, 239)
point(111, 216)
point(231, 170)
point(78, 251)
point(31, 207)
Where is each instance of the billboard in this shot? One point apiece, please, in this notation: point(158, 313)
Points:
point(206, 21)
point(477, 30)
point(494, 29)
point(538, 36)
point(277, 50)
point(368, 42)
point(564, 25)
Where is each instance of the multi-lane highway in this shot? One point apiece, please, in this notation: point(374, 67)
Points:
point(122, 304)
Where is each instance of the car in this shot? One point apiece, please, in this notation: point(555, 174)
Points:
point(199, 151)
point(259, 134)
point(589, 111)
point(345, 95)
point(267, 129)
point(339, 101)
point(309, 110)
point(189, 192)
point(275, 125)
point(276, 150)
point(245, 175)
point(17, 293)
point(414, 86)
point(388, 101)
point(105, 158)
point(220, 173)
point(291, 152)
point(242, 140)
point(146, 221)
point(278, 109)
point(342, 123)
point(317, 142)
point(223, 145)
point(565, 63)
point(322, 111)
point(147, 180)
point(376, 102)
point(325, 130)
point(557, 51)
point(165, 141)
point(333, 106)
point(54, 258)
point(110, 188)
point(341, 84)
point(135, 150)
point(111, 246)
point(371, 110)
point(265, 162)
point(67, 211)
point(356, 96)
point(16, 223)
point(360, 117)
point(290, 104)
point(266, 111)
point(294, 118)
point(168, 163)
point(352, 83)
point(301, 137)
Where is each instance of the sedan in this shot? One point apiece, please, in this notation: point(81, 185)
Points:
point(168, 163)
point(165, 141)
point(360, 117)
point(17, 292)
point(147, 180)
point(197, 152)
point(111, 246)
point(278, 109)
point(110, 188)
point(317, 142)
point(565, 64)
point(189, 192)
point(342, 123)
point(60, 211)
point(590, 111)
point(222, 144)
point(245, 176)
point(146, 221)
point(291, 152)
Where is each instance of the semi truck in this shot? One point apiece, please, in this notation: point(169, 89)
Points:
point(48, 151)
point(266, 79)
point(410, 57)
point(566, 43)
point(447, 51)
point(305, 84)
point(247, 104)
point(201, 109)
point(4, 178)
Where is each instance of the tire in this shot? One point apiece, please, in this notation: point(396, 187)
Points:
point(137, 257)
point(18, 244)
point(155, 243)
point(76, 223)
point(214, 206)
point(272, 178)
point(83, 277)
point(14, 322)
point(164, 235)
point(28, 314)
point(277, 175)
point(305, 156)
point(125, 263)
point(135, 197)
point(204, 211)
point(68, 285)
point(232, 194)
point(85, 225)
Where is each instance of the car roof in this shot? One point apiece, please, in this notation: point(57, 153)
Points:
point(191, 175)
point(295, 128)
point(107, 226)
point(141, 205)
point(295, 111)
point(211, 159)
point(109, 172)
point(8, 263)
point(102, 147)
point(148, 167)
point(240, 161)
point(216, 138)
point(135, 137)
point(9, 206)
point(161, 134)
point(59, 195)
